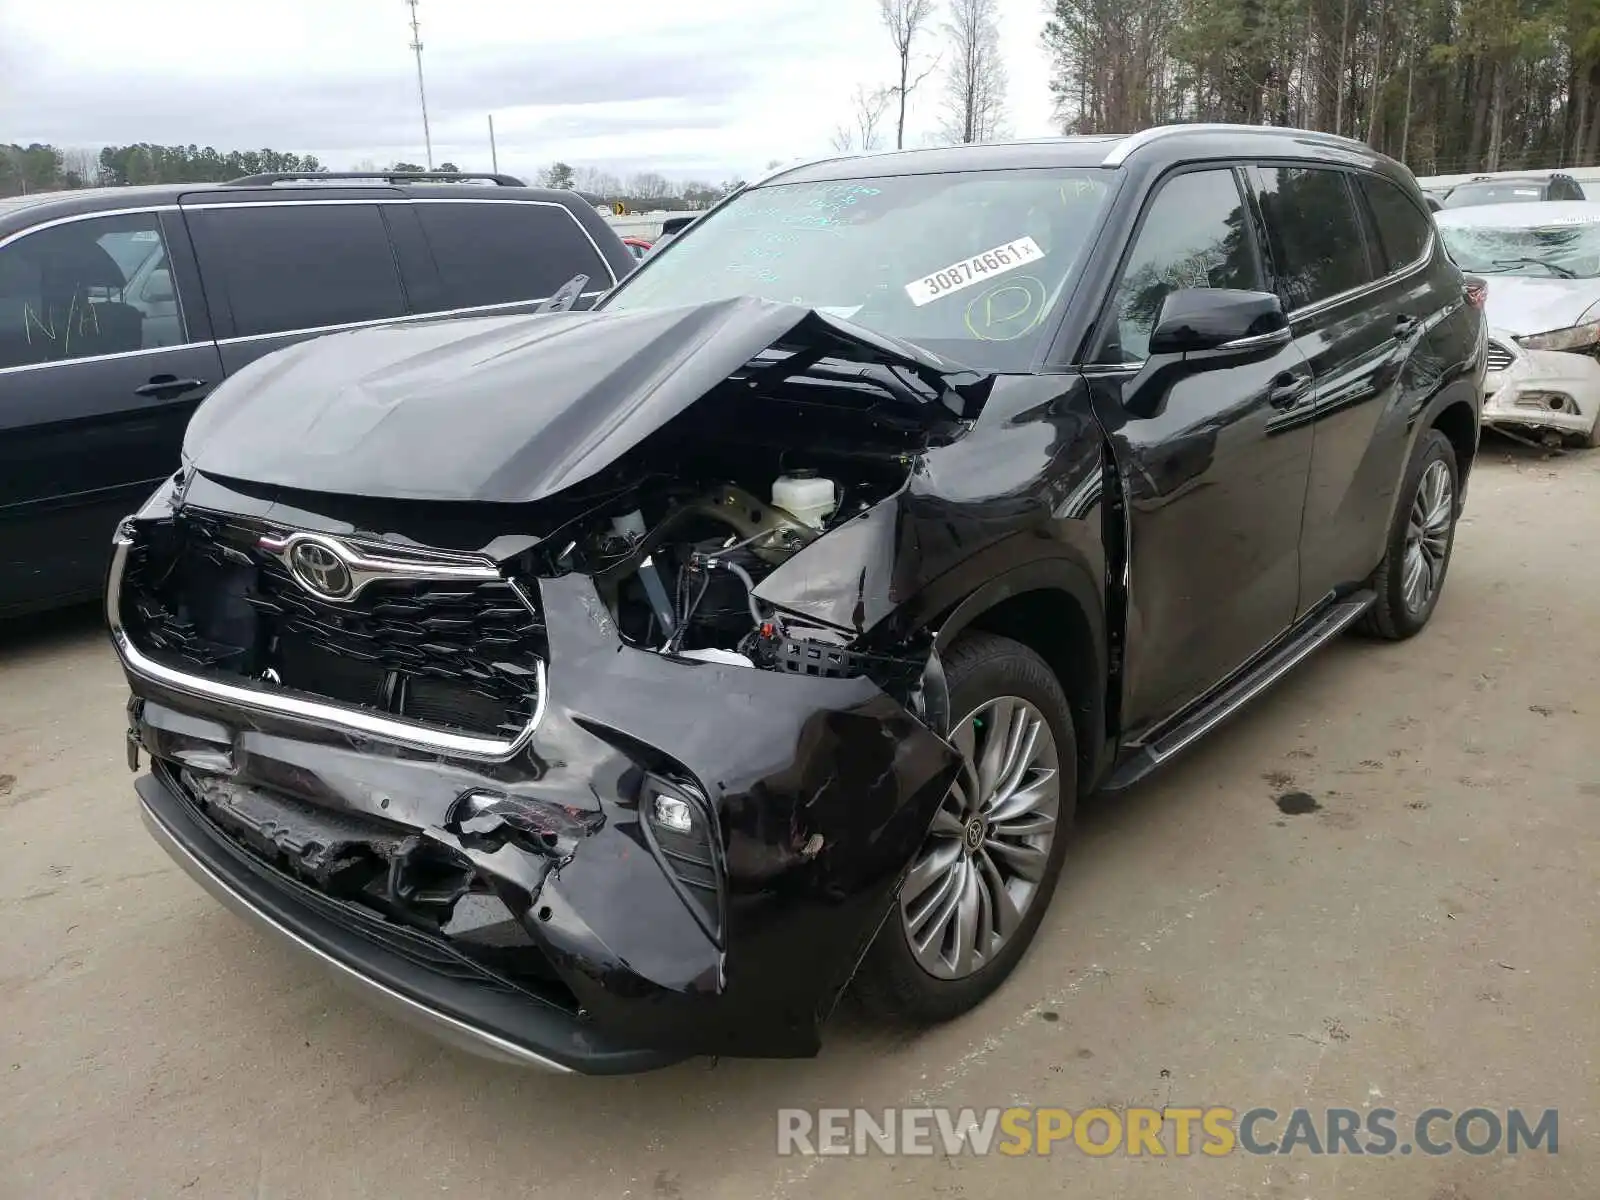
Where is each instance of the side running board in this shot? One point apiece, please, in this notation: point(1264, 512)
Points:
point(1256, 678)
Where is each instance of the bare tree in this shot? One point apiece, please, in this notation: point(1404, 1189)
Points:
point(975, 88)
point(904, 19)
point(649, 185)
point(597, 182)
point(80, 167)
point(867, 107)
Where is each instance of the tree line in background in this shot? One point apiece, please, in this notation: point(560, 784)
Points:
point(641, 191)
point(1447, 86)
point(44, 168)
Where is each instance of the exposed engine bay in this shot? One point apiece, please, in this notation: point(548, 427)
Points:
point(679, 567)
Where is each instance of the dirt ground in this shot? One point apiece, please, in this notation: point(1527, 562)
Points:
point(1427, 935)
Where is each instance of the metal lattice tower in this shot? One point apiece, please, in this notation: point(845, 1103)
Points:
point(422, 94)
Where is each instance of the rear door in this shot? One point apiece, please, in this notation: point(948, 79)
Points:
point(1357, 321)
point(1215, 460)
point(277, 272)
point(105, 351)
point(508, 255)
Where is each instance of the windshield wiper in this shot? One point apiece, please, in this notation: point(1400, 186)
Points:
point(1553, 268)
point(566, 296)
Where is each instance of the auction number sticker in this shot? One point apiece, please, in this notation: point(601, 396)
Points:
point(1005, 257)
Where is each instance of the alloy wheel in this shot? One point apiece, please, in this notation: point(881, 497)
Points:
point(1428, 536)
point(989, 847)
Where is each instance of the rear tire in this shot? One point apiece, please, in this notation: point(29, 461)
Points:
point(986, 842)
point(1421, 539)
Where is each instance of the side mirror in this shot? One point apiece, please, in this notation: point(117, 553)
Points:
point(1224, 321)
point(159, 289)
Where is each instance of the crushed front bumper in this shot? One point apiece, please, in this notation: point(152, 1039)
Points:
point(483, 1020)
point(1534, 391)
point(818, 792)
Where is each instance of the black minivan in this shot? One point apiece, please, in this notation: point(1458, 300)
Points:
point(121, 308)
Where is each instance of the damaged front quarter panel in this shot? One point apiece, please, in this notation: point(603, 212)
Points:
point(820, 790)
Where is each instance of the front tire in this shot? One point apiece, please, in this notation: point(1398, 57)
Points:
point(1421, 539)
point(979, 885)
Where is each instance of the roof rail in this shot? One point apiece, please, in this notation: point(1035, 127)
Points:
point(268, 178)
point(1118, 154)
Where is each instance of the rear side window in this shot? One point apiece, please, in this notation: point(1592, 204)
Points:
point(507, 251)
point(299, 266)
point(86, 288)
point(1402, 229)
point(1317, 242)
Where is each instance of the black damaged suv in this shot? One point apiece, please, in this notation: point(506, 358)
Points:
point(605, 687)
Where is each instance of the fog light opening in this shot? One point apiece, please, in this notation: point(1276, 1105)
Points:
point(673, 813)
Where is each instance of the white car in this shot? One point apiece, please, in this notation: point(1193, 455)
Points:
point(1542, 263)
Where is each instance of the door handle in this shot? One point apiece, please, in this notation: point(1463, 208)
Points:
point(1288, 390)
point(167, 387)
point(1404, 327)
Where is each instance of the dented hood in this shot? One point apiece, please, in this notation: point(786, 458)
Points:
point(497, 409)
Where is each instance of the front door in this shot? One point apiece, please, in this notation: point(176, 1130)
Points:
point(99, 373)
point(1215, 463)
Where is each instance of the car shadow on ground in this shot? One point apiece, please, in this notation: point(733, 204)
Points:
point(1496, 446)
point(743, 1091)
point(39, 635)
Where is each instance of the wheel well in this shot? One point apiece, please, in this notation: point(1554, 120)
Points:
point(1456, 423)
point(1053, 625)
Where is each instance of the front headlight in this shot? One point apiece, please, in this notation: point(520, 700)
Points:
point(1578, 337)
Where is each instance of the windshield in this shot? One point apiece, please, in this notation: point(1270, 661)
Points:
point(1469, 195)
point(967, 265)
point(1568, 250)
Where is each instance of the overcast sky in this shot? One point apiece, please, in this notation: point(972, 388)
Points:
point(705, 88)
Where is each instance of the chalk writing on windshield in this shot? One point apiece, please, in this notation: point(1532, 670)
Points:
point(1007, 311)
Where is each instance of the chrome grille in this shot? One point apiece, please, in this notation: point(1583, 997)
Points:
point(201, 594)
point(1499, 357)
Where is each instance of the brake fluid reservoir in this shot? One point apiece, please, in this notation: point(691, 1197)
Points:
point(804, 496)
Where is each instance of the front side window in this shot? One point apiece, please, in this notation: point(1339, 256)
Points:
point(1318, 245)
point(502, 253)
point(298, 266)
point(1564, 249)
point(969, 264)
point(1193, 235)
point(87, 288)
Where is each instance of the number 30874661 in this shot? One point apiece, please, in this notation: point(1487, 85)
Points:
point(968, 271)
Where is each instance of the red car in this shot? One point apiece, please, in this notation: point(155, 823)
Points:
point(637, 246)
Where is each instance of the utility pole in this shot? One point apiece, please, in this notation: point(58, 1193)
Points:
point(422, 95)
point(494, 157)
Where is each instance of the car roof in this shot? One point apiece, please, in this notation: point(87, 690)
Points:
point(1491, 180)
point(1519, 216)
point(20, 211)
point(1167, 143)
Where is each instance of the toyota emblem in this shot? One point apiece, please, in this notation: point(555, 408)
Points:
point(319, 569)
